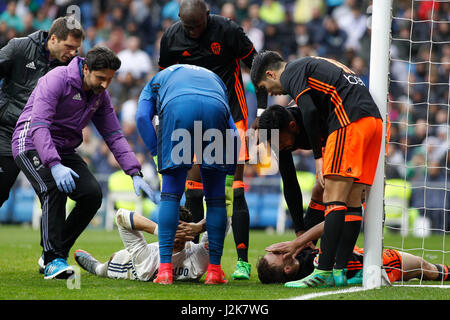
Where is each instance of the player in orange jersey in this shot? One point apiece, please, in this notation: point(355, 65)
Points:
point(330, 94)
point(278, 267)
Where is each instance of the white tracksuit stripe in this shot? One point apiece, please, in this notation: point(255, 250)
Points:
point(44, 221)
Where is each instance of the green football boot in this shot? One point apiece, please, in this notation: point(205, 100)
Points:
point(317, 279)
point(242, 271)
point(340, 277)
point(356, 279)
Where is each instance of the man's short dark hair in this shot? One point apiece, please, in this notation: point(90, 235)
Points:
point(271, 274)
point(63, 26)
point(99, 58)
point(263, 61)
point(185, 214)
point(274, 117)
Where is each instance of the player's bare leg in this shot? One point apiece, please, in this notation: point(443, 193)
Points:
point(417, 267)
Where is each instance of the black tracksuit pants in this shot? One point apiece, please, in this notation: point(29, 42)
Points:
point(8, 175)
point(58, 233)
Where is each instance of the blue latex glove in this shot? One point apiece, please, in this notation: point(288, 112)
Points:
point(139, 184)
point(63, 178)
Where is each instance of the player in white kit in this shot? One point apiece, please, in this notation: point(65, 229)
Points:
point(140, 260)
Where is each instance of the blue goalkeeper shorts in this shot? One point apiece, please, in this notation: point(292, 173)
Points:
point(183, 123)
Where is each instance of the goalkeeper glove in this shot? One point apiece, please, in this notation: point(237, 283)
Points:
point(229, 193)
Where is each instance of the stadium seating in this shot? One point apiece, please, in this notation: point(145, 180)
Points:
point(306, 181)
point(396, 203)
point(5, 209)
point(22, 208)
point(253, 204)
point(269, 211)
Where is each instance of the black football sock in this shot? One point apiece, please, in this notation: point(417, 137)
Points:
point(334, 223)
point(443, 274)
point(350, 233)
point(194, 202)
point(314, 215)
point(240, 222)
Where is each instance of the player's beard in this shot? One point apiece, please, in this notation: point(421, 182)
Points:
point(96, 89)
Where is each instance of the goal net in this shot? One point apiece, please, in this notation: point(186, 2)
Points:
point(417, 163)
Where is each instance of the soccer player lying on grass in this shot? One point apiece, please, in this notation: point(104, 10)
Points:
point(287, 262)
point(140, 260)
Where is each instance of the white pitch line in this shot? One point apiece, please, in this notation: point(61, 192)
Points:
point(326, 293)
point(423, 286)
point(356, 289)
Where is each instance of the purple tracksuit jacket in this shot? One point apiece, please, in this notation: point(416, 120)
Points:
point(56, 112)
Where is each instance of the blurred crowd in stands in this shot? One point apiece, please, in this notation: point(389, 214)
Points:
point(340, 29)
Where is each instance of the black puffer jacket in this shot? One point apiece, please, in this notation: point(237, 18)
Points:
point(22, 62)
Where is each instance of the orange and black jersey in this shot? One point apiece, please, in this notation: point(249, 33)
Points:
point(219, 49)
point(327, 89)
point(306, 258)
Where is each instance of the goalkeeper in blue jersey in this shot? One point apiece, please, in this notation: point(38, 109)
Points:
point(194, 119)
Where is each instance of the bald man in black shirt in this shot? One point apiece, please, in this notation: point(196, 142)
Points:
point(218, 44)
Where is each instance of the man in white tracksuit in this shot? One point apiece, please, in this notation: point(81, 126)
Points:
point(140, 260)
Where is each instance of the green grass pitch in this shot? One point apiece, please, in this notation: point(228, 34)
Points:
point(20, 280)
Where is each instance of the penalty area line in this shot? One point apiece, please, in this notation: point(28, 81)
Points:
point(326, 293)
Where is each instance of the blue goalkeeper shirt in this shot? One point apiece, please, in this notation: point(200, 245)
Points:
point(173, 82)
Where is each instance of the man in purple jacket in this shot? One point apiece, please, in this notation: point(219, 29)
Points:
point(44, 141)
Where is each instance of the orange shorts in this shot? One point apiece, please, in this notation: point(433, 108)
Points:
point(392, 263)
point(353, 151)
point(242, 129)
point(388, 133)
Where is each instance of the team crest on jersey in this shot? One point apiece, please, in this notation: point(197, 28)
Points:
point(215, 48)
point(37, 163)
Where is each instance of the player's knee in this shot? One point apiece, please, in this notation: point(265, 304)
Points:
point(355, 197)
point(194, 174)
point(317, 192)
point(93, 195)
point(194, 193)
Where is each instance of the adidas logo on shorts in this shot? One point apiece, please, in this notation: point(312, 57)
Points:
point(77, 97)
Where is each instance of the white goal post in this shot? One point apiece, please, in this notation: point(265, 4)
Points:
point(378, 86)
point(408, 206)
